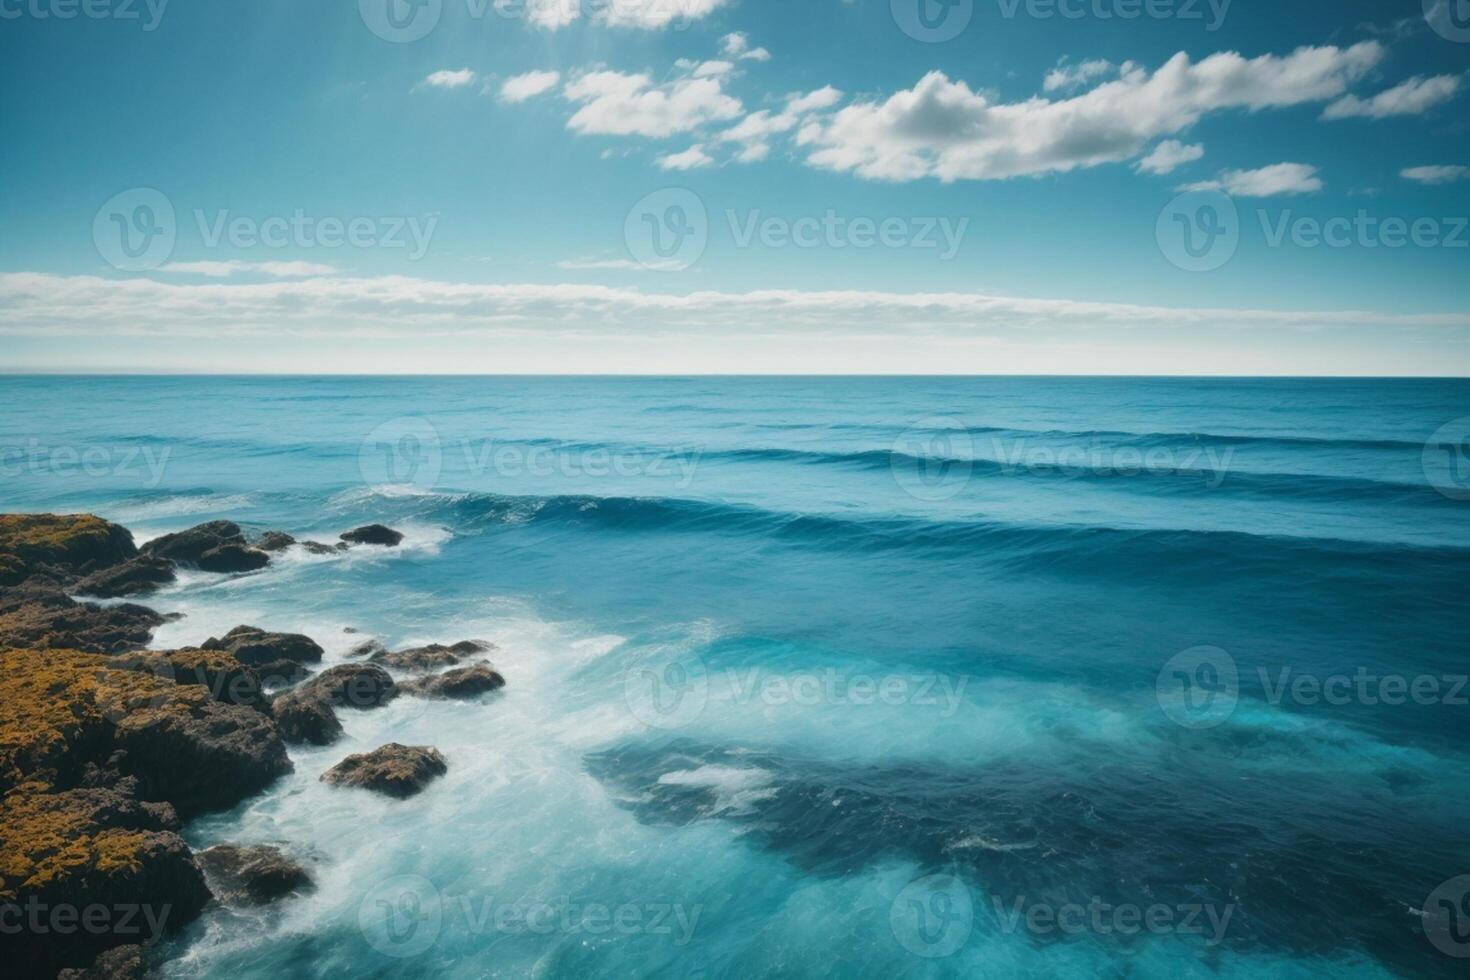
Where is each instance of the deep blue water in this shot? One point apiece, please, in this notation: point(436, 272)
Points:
point(838, 677)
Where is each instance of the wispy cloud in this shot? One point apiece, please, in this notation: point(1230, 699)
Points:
point(1272, 181)
point(519, 88)
point(1436, 175)
point(1411, 98)
point(1168, 157)
point(231, 267)
point(457, 78)
point(40, 304)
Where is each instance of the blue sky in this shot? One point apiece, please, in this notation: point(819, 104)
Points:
point(503, 175)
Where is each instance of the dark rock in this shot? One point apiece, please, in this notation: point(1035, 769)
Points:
point(274, 541)
point(256, 648)
point(138, 576)
point(200, 756)
point(396, 770)
point(353, 686)
point(214, 547)
point(317, 548)
point(368, 648)
point(39, 615)
point(374, 534)
point(118, 963)
point(461, 684)
point(251, 875)
point(228, 558)
point(305, 718)
point(281, 673)
point(189, 546)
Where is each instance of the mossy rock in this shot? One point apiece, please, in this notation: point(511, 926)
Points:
point(69, 544)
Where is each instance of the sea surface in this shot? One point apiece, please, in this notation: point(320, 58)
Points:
point(837, 677)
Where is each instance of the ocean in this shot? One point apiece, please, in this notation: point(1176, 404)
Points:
point(941, 677)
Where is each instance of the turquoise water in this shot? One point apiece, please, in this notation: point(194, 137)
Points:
point(835, 677)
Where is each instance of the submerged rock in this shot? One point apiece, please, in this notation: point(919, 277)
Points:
point(352, 686)
point(306, 718)
point(137, 576)
point(367, 648)
point(317, 548)
point(254, 875)
point(461, 684)
point(374, 534)
point(435, 656)
point(274, 541)
point(399, 771)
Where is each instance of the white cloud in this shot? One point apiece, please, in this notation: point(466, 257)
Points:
point(1064, 76)
point(40, 304)
point(756, 129)
point(754, 153)
point(713, 69)
point(1169, 156)
point(549, 14)
point(519, 88)
point(651, 14)
point(1280, 178)
point(737, 45)
point(1412, 98)
point(1436, 175)
point(450, 79)
point(618, 104)
point(229, 267)
point(941, 128)
point(693, 158)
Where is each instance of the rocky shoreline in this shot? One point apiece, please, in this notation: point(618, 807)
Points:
point(108, 747)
